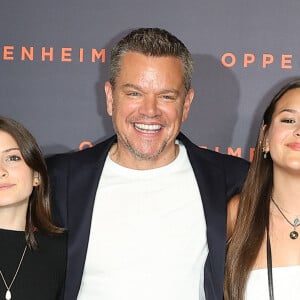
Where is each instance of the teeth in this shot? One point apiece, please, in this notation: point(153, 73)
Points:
point(150, 127)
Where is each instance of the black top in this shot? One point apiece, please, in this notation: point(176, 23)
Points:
point(42, 272)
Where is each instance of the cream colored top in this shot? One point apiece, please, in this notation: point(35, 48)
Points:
point(286, 282)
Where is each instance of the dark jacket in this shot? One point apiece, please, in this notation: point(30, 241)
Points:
point(74, 179)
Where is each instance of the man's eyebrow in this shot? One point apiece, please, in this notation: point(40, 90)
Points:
point(137, 87)
point(131, 85)
point(173, 91)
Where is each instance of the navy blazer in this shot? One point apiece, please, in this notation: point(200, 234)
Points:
point(74, 180)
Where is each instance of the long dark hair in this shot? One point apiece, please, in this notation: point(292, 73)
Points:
point(254, 210)
point(38, 213)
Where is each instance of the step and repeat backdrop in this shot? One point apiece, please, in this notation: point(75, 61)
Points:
point(54, 58)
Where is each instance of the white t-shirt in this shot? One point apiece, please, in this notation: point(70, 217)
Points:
point(286, 284)
point(148, 235)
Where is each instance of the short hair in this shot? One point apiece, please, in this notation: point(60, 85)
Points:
point(152, 42)
point(38, 213)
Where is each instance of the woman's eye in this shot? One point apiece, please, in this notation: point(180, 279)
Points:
point(289, 121)
point(12, 158)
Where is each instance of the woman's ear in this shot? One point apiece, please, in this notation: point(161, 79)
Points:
point(263, 139)
point(36, 179)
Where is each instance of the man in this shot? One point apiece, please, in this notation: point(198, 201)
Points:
point(146, 209)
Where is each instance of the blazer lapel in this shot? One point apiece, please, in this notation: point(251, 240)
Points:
point(84, 174)
point(210, 179)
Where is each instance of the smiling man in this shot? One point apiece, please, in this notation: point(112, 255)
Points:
point(146, 209)
point(147, 102)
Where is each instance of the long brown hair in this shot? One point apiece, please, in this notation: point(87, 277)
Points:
point(253, 212)
point(38, 212)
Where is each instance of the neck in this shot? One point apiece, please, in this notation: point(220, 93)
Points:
point(286, 193)
point(127, 159)
point(13, 218)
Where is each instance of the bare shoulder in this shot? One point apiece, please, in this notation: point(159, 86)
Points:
point(232, 208)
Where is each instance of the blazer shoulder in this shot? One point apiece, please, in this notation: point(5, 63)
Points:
point(213, 157)
point(88, 155)
point(229, 164)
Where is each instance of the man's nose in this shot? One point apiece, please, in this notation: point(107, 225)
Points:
point(149, 106)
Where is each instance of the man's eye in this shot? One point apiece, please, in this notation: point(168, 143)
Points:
point(133, 94)
point(168, 97)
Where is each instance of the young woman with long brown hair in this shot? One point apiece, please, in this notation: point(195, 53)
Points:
point(263, 257)
point(33, 249)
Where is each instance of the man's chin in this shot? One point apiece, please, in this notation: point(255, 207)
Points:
point(146, 155)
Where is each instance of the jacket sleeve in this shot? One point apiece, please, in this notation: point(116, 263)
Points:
point(58, 171)
point(236, 170)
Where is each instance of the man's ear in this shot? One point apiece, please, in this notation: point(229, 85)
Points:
point(109, 97)
point(187, 104)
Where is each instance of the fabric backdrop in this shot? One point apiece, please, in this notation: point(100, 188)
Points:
point(55, 55)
